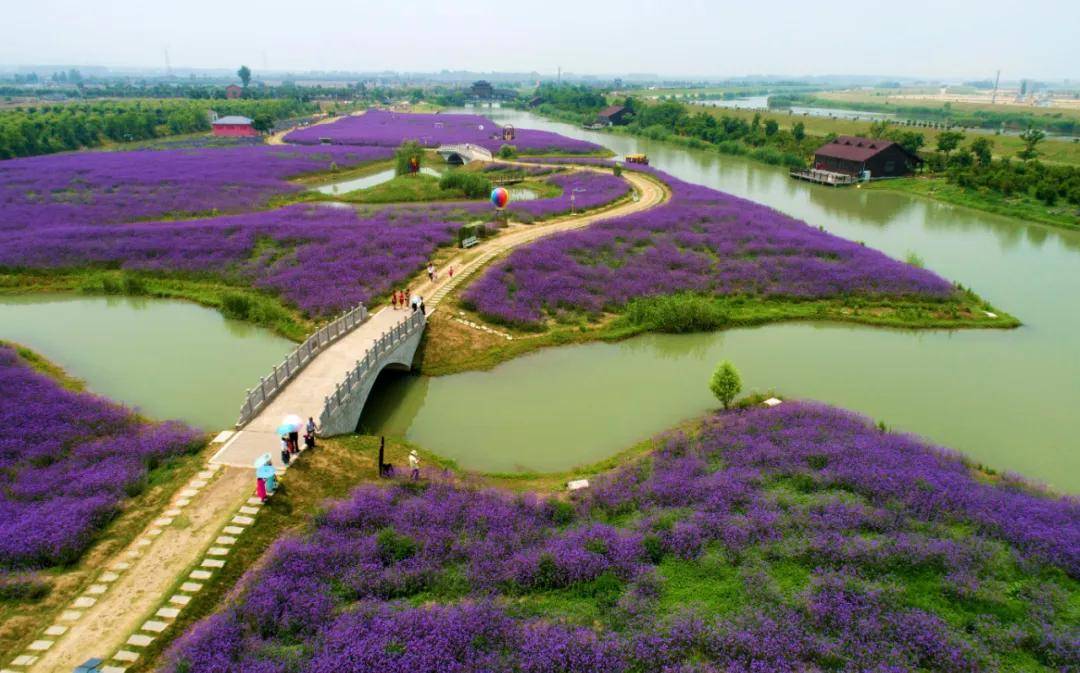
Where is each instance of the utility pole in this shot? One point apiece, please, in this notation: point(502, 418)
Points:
point(168, 65)
point(997, 78)
point(558, 78)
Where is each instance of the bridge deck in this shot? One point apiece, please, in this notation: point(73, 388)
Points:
point(305, 394)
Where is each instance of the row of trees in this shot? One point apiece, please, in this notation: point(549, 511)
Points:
point(55, 128)
point(945, 115)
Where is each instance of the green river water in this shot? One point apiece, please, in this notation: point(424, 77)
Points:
point(1009, 399)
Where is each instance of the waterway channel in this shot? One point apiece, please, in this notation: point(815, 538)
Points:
point(1008, 399)
point(169, 359)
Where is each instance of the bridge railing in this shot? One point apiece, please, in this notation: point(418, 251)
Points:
point(269, 386)
point(371, 364)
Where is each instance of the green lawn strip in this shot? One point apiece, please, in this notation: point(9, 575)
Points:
point(694, 313)
point(1022, 207)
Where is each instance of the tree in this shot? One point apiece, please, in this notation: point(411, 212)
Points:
point(798, 130)
point(263, 123)
point(879, 129)
point(1031, 138)
point(771, 127)
point(983, 149)
point(947, 141)
point(725, 383)
point(407, 157)
point(244, 73)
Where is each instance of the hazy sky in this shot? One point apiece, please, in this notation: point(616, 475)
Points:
point(968, 38)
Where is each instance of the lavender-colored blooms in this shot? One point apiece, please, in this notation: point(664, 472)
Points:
point(444, 577)
point(67, 460)
point(321, 258)
point(86, 188)
point(702, 241)
point(390, 129)
point(581, 190)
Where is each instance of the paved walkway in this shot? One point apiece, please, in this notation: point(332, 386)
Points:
point(305, 394)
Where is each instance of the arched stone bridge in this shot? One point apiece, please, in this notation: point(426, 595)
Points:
point(464, 153)
point(332, 386)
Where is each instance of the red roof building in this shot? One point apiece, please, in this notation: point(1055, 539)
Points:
point(851, 155)
point(233, 125)
point(234, 91)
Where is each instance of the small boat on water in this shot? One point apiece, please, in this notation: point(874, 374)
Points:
point(637, 159)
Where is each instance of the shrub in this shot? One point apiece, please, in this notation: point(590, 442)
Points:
point(393, 546)
point(236, 305)
point(507, 152)
point(473, 185)
point(677, 314)
point(725, 383)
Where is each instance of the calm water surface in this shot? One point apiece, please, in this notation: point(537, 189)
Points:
point(171, 359)
point(1009, 399)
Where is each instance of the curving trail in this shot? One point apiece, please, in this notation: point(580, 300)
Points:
point(135, 596)
point(648, 193)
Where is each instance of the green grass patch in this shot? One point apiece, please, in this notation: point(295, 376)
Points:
point(1020, 206)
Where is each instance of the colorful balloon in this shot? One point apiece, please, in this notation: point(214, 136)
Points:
point(499, 197)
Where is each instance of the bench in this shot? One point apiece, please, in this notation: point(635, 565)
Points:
point(469, 242)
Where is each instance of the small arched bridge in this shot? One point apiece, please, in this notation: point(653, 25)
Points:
point(464, 153)
point(328, 377)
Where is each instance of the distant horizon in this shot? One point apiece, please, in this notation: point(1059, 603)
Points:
point(687, 40)
point(184, 72)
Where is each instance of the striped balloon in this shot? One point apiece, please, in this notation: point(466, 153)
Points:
point(499, 197)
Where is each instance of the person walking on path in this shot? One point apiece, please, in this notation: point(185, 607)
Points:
point(294, 441)
point(451, 271)
point(393, 299)
point(423, 309)
point(414, 465)
point(310, 435)
point(431, 272)
point(285, 450)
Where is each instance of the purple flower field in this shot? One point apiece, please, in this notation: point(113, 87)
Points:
point(321, 258)
point(590, 190)
point(88, 188)
point(390, 129)
point(702, 241)
point(799, 538)
point(67, 460)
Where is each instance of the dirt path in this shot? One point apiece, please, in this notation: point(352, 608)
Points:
point(132, 584)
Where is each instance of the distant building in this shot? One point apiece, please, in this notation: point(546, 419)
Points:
point(482, 89)
point(613, 115)
point(234, 91)
point(852, 156)
point(233, 125)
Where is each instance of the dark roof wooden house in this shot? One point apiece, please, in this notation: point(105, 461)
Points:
point(613, 115)
point(852, 156)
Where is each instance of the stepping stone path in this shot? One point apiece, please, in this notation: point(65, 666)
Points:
point(172, 607)
point(164, 615)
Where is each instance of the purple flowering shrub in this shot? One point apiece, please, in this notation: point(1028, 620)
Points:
point(389, 129)
point(787, 539)
point(321, 258)
point(92, 188)
point(67, 461)
point(702, 241)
